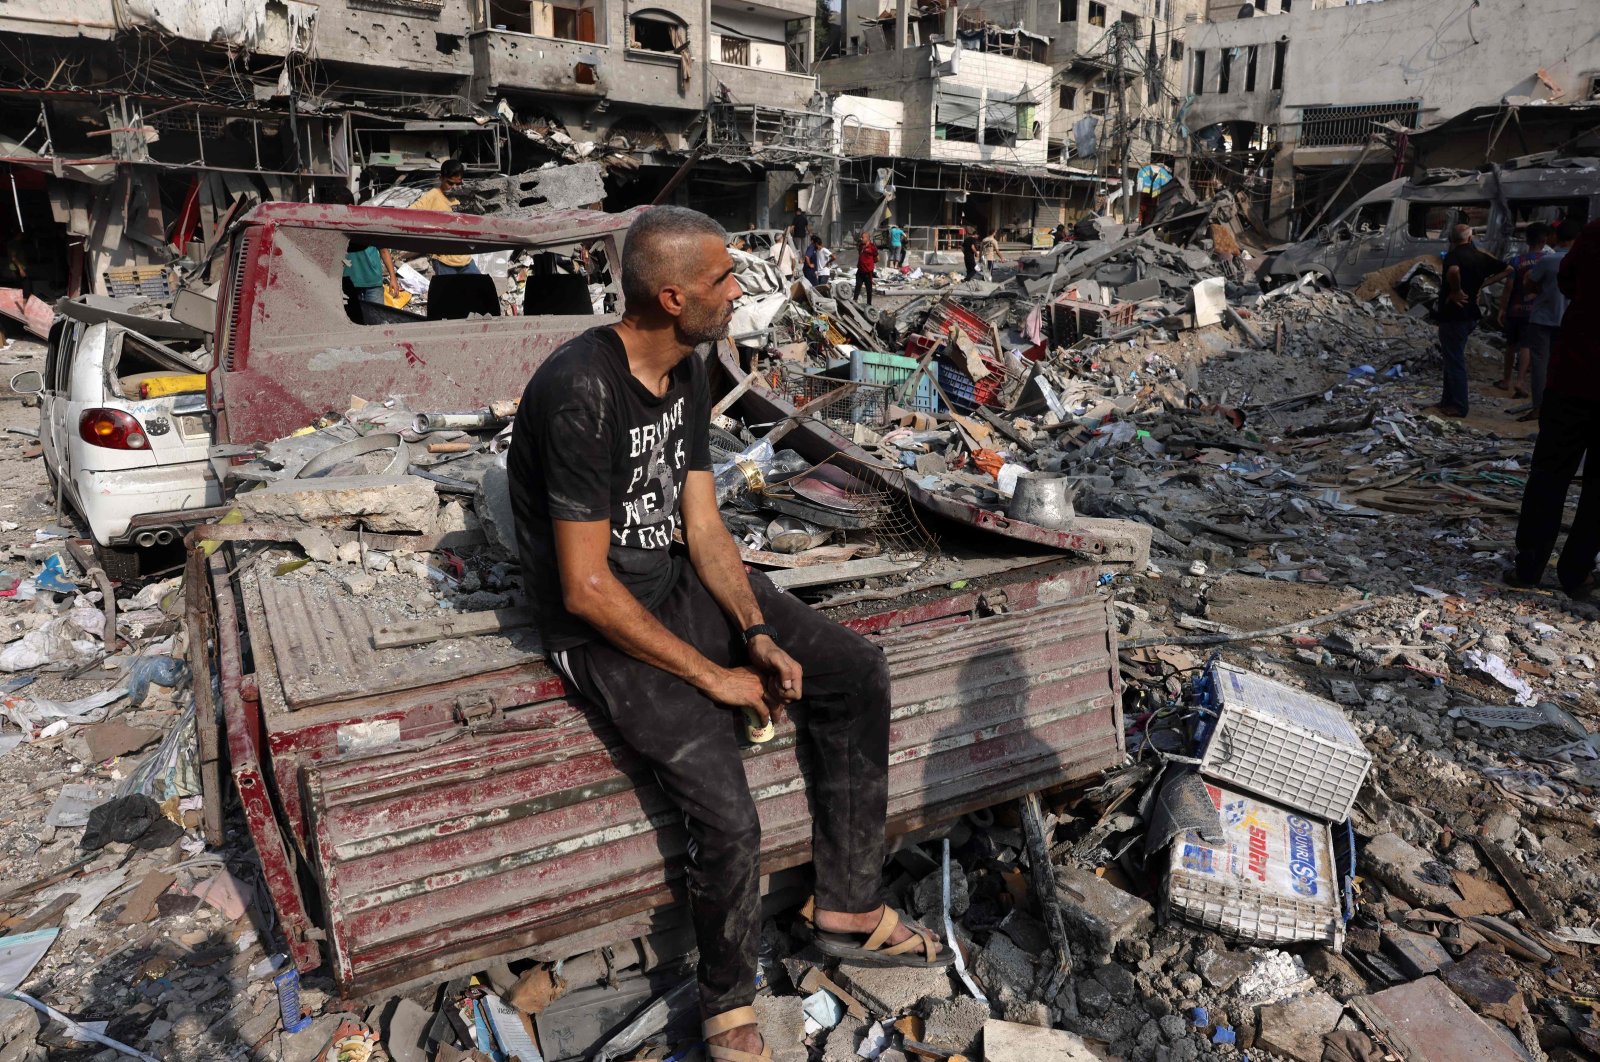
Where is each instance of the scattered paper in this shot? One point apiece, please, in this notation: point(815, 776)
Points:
point(20, 954)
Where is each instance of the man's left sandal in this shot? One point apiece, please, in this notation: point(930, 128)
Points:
point(732, 1019)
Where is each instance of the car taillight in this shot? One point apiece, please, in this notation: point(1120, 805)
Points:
point(113, 429)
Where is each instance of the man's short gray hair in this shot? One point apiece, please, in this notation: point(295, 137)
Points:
point(1461, 234)
point(653, 252)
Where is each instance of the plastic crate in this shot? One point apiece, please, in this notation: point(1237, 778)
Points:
point(1272, 878)
point(892, 371)
point(965, 393)
point(1074, 319)
point(1284, 744)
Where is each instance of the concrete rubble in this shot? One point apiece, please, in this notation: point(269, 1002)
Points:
point(1297, 516)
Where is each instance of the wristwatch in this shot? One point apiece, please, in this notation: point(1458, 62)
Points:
point(757, 630)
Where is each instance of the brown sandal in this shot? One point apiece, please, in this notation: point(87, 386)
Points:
point(921, 949)
point(732, 1019)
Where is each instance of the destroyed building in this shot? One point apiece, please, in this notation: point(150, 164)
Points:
point(131, 132)
point(1307, 107)
point(1008, 115)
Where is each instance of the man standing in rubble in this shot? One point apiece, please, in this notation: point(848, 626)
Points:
point(1466, 271)
point(1545, 311)
point(610, 466)
point(451, 177)
point(1569, 436)
point(969, 252)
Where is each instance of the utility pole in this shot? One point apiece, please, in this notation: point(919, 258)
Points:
point(1121, 154)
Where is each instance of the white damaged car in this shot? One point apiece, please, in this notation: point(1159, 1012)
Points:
point(124, 426)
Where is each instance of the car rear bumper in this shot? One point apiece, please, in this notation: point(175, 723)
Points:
point(119, 506)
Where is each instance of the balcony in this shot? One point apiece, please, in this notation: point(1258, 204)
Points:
point(504, 60)
point(762, 87)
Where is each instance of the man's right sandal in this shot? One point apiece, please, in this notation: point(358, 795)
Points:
point(727, 1020)
point(921, 948)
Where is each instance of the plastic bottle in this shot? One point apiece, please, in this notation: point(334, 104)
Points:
point(288, 986)
point(753, 467)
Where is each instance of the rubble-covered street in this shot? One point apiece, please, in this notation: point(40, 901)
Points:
point(1309, 524)
point(1147, 392)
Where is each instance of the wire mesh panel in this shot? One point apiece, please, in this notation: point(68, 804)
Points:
point(858, 403)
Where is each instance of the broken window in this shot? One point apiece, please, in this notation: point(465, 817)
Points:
point(573, 23)
point(510, 16)
point(1099, 102)
point(1176, 51)
point(568, 280)
point(1250, 70)
point(1131, 21)
point(1280, 52)
point(1283, 7)
point(1069, 98)
point(655, 31)
point(736, 50)
point(1551, 212)
point(1371, 217)
point(1199, 73)
point(1069, 11)
point(1097, 14)
point(958, 109)
point(1433, 221)
point(1224, 70)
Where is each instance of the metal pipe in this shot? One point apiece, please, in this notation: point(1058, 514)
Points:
point(145, 538)
point(108, 602)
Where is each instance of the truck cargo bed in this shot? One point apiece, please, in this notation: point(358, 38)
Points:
point(421, 810)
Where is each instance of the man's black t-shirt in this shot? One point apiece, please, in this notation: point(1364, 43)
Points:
point(592, 443)
point(800, 225)
point(969, 250)
point(1476, 267)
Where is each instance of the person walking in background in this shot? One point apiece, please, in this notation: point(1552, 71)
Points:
point(969, 252)
point(866, 265)
point(1466, 271)
point(897, 246)
point(991, 253)
point(799, 226)
point(366, 268)
point(1545, 310)
point(1569, 433)
point(813, 261)
point(1514, 303)
point(438, 198)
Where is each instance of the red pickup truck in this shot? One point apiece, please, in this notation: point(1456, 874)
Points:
point(422, 809)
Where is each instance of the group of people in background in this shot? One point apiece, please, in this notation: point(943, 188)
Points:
point(1550, 313)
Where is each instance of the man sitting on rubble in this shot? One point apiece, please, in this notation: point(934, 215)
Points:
point(1466, 271)
point(610, 463)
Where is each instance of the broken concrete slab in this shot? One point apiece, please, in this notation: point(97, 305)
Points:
point(377, 503)
point(1417, 954)
point(1100, 914)
point(1426, 1022)
point(1125, 541)
point(840, 1045)
point(956, 1026)
point(1222, 969)
point(1005, 1041)
point(405, 1031)
point(492, 503)
point(783, 1026)
point(1407, 871)
point(893, 990)
point(1483, 981)
point(1295, 1027)
point(18, 1021)
point(1005, 971)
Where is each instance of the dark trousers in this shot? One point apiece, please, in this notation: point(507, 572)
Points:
point(864, 284)
point(693, 746)
point(1453, 341)
point(1569, 429)
point(1538, 339)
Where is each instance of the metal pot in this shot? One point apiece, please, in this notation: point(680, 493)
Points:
point(1042, 500)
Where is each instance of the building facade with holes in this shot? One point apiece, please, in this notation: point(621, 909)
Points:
point(1300, 102)
point(130, 128)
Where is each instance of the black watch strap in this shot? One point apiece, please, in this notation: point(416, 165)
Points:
point(759, 629)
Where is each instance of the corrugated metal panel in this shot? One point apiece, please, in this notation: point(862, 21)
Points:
point(500, 842)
